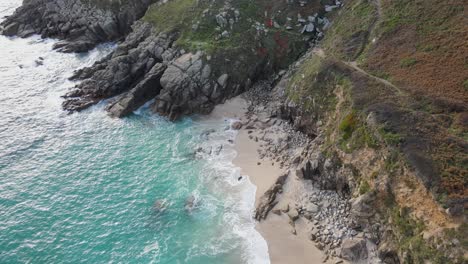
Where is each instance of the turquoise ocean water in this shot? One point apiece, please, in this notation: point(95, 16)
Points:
point(82, 188)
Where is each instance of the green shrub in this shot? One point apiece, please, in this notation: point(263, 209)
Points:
point(364, 187)
point(408, 62)
point(348, 125)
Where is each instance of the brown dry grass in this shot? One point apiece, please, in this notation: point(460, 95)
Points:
point(424, 47)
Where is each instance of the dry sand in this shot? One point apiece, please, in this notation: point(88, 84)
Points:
point(284, 247)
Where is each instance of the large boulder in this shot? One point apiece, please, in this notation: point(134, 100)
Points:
point(187, 87)
point(362, 208)
point(268, 199)
point(354, 250)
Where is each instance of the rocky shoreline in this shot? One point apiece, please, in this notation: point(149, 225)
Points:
point(333, 219)
point(81, 25)
point(150, 63)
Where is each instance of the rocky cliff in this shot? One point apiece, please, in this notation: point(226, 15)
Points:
point(195, 54)
point(81, 24)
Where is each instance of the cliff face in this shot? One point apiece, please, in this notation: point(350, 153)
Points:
point(205, 52)
point(82, 24)
point(386, 138)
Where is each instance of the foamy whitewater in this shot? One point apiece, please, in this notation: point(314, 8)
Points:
point(87, 188)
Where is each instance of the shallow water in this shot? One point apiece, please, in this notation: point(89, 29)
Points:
point(82, 188)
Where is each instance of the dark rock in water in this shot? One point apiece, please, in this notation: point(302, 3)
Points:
point(218, 149)
point(80, 24)
point(160, 205)
point(191, 203)
point(74, 46)
point(205, 134)
point(236, 125)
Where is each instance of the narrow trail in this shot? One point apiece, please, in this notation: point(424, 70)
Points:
point(353, 64)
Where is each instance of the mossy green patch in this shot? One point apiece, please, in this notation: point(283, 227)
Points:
point(170, 15)
point(410, 240)
point(348, 125)
point(419, 13)
point(391, 138)
point(364, 187)
point(348, 36)
point(312, 90)
point(408, 62)
point(196, 23)
point(237, 47)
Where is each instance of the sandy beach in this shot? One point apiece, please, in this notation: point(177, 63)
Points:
point(284, 246)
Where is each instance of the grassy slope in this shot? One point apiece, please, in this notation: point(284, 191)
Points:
point(342, 98)
point(434, 61)
point(419, 132)
point(441, 119)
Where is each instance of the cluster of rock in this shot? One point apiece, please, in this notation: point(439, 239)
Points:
point(226, 19)
point(343, 227)
point(81, 24)
point(147, 66)
point(336, 229)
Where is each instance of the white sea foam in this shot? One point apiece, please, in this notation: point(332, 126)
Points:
point(237, 193)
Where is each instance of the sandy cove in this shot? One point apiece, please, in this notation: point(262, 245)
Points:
point(286, 245)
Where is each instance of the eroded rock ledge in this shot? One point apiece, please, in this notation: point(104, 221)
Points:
point(81, 24)
point(153, 62)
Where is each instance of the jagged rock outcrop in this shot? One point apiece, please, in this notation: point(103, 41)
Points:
point(191, 78)
point(135, 66)
point(188, 87)
point(268, 200)
point(80, 24)
point(146, 89)
point(326, 173)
